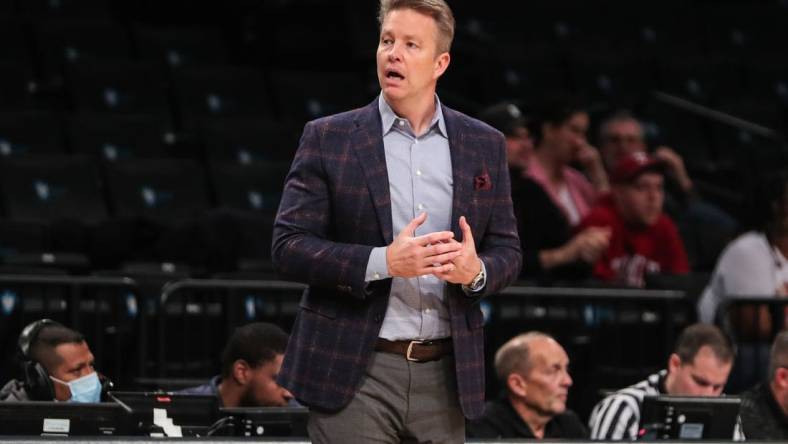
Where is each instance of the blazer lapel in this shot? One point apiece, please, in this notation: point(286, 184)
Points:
point(462, 170)
point(368, 142)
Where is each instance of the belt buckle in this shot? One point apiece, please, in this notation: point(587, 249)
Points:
point(410, 350)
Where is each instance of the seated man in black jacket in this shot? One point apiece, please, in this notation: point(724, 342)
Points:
point(764, 408)
point(534, 369)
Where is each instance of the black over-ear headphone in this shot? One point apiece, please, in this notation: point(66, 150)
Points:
point(35, 377)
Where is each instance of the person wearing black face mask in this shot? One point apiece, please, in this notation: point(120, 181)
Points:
point(57, 365)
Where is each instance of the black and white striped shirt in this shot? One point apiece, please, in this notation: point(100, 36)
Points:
point(617, 417)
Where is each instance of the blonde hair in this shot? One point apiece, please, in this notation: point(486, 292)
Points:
point(437, 9)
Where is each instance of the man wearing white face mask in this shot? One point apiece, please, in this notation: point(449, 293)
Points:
point(57, 365)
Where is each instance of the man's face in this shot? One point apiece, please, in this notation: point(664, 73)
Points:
point(519, 148)
point(548, 381)
point(706, 375)
point(640, 201)
point(621, 137)
point(76, 361)
point(262, 390)
point(408, 62)
point(567, 138)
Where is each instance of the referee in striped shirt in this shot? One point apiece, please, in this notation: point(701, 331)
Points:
point(699, 366)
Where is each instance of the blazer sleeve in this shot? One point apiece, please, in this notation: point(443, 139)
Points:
point(302, 248)
point(499, 247)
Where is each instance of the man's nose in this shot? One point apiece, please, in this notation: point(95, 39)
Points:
point(394, 52)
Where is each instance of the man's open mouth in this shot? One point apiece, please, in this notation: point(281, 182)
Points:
point(392, 74)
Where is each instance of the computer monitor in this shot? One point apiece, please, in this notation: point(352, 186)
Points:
point(264, 421)
point(195, 414)
point(49, 418)
point(689, 417)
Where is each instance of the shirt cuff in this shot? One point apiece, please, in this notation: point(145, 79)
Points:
point(482, 283)
point(377, 268)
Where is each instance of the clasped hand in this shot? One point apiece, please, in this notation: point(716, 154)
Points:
point(435, 253)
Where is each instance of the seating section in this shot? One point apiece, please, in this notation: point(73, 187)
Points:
point(177, 47)
point(225, 94)
point(52, 188)
point(117, 87)
point(151, 141)
point(160, 189)
point(22, 134)
point(218, 91)
point(249, 187)
point(114, 138)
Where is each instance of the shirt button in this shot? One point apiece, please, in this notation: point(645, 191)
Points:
point(401, 123)
point(376, 275)
point(420, 206)
point(428, 311)
point(418, 172)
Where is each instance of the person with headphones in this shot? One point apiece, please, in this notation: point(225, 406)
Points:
point(56, 365)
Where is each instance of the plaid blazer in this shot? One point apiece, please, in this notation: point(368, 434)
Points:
point(336, 207)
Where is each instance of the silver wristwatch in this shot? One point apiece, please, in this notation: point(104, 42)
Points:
point(477, 281)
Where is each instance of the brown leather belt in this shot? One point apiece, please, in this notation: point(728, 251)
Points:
point(416, 350)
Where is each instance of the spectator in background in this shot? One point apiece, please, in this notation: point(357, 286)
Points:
point(643, 239)
point(550, 250)
point(699, 366)
point(507, 118)
point(754, 264)
point(56, 365)
point(622, 134)
point(764, 408)
point(534, 369)
point(559, 128)
point(250, 364)
point(704, 228)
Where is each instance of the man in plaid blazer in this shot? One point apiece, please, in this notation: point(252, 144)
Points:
point(398, 216)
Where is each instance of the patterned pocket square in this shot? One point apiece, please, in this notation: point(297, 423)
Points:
point(482, 182)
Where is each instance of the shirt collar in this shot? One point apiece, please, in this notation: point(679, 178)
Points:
point(388, 117)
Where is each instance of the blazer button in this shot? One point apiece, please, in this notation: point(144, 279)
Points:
point(378, 318)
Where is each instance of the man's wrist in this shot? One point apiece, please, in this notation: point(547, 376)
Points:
point(467, 284)
point(478, 281)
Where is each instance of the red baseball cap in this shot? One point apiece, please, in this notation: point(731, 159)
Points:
point(632, 165)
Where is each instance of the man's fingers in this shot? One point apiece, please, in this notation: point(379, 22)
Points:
point(410, 229)
point(467, 234)
point(442, 247)
point(434, 238)
point(442, 270)
point(443, 258)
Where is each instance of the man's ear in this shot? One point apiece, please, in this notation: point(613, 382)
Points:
point(517, 385)
point(781, 377)
point(441, 64)
point(240, 373)
point(674, 362)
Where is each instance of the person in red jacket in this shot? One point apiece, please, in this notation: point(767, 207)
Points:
point(644, 239)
